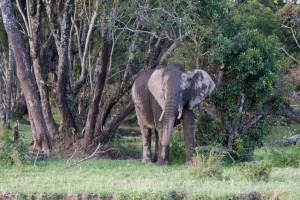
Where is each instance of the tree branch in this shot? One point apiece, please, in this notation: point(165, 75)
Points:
point(289, 55)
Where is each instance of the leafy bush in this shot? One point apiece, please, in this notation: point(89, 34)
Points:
point(11, 152)
point(250, 140)
point(177, 148)
point(285, 157)
point(258, 171)
point(206, 165)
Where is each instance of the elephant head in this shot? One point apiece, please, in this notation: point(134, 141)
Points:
point(175, 89)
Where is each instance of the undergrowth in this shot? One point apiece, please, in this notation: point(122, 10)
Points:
point(257, 171)
point(206, 164)
point(12, 153)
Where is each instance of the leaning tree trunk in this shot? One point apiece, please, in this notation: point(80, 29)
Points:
point(41, 137)
point(10, 75)
point(36, 61)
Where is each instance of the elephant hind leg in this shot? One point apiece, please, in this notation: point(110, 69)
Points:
point(146, 136)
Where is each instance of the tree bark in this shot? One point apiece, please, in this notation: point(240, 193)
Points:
point(41, 138)
point(10, 75)
point(35, 21)
point(112, 125)
point(2, 114)
point(94, 105)
point(60, 27)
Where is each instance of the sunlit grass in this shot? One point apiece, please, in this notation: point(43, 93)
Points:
point(280, 132)
point(134, 179)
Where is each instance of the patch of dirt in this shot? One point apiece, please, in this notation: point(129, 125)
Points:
point(105, 151)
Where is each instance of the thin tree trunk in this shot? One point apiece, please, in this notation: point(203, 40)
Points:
point(35, 19)
point(10, 75)
point(112, 125)
point(41, 138)
point(2, 114)
point(94, 105)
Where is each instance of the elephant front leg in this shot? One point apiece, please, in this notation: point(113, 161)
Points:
point(163, 156)
point(155, 158)
point(146, 137)
point(189, 133)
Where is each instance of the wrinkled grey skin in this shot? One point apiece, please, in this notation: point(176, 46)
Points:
point(164, 96)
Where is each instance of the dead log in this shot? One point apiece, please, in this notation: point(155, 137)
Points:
point(288, 141)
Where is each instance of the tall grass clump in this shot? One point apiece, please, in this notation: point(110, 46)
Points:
point(258, 171)
point(206, 164)
point(285, 157)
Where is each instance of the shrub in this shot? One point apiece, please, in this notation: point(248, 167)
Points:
point(177, 147)
point(285, 157)
point(258, 171)
point(11, 152)
point(206, 164)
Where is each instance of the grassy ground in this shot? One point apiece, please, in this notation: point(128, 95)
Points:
point(131, 179)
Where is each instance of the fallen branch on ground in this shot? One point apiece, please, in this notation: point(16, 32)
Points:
point(288, 141)
point(86, 158)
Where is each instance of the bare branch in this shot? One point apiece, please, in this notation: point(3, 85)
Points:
point(23, 16)
point(171, 49)
point(293, 34)
point(289, 55)
point(86, 158)
point(251, 122)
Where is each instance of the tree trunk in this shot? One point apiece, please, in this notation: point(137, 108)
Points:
point(94, 105)
point(60, 22)
point(41, 138)
point(112, 125)
point(2, 114)
point(10, 75)
point(36, 61)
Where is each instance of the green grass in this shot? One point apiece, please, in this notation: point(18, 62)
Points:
point(133, 179)
point(281, 132)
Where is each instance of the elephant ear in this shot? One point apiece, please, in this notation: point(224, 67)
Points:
point(203, 85)
point(156, 85)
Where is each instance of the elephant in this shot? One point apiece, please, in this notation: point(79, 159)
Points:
point(164, 96)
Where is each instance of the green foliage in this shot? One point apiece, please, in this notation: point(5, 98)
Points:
point(251, 139)
point(260, 171)
point(11, 152)
point(205, 165)
point(284, 157)
point(209, 130)
point(254, 15)
point(177, 148)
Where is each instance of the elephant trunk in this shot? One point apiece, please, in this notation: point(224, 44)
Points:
point(169, 120)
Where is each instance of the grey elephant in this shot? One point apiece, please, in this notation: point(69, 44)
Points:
point(164, 96)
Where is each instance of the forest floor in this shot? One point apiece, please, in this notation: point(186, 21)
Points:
point(117, 173)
